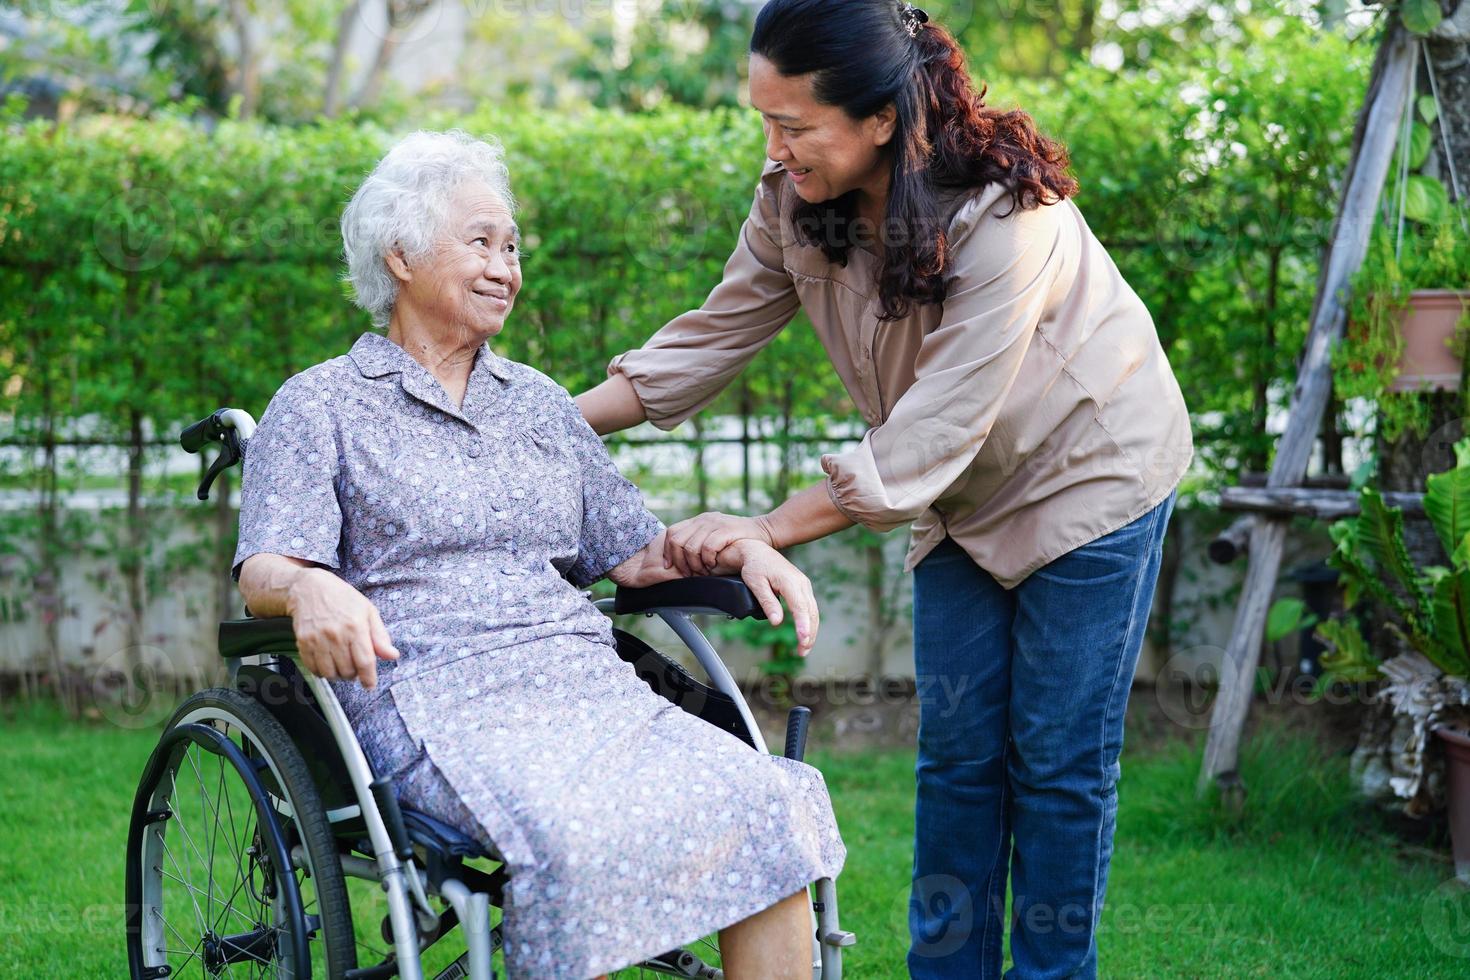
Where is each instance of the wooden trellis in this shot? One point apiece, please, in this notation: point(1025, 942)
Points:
point(1286, 492)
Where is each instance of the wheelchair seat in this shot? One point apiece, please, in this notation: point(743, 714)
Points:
point(436, 835)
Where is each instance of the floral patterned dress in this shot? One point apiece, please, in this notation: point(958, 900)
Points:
point(629, 826)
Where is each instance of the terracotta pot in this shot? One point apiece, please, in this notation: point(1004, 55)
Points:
point(1457, 788)
point(1428, 325)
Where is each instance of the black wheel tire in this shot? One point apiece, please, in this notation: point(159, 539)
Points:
point(282, 773)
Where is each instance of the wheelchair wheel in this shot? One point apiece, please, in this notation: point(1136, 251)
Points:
point(232, 869)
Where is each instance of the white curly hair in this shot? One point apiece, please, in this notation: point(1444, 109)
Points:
point(404, 203)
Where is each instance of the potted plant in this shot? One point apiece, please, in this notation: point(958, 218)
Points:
point(1428, 688)
point(1408, 313)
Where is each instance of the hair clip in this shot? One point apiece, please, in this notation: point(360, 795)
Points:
point(913, 17)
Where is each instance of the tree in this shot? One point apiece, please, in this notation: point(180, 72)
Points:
point(690, 52)
point(283, 60)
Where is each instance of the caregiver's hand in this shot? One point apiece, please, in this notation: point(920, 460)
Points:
point(338, 630)
point(693, 546)
point(772, 577)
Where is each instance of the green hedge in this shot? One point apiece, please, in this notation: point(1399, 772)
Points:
point(150, 271)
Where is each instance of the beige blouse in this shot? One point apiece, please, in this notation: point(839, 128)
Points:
point(1032, 413)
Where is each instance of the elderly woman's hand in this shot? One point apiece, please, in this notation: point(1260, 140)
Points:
point(693, 547)
point(772, 577)
point(338, 630)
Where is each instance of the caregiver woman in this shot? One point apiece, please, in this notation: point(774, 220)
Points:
point(1022, 416)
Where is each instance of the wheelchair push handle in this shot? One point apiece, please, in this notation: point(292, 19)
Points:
point(231, 428)
point(798, 723)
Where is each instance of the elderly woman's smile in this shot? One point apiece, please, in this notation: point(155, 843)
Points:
point(467, 283)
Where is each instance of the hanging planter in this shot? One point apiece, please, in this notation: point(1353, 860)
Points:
point(1408, 319)
point(1431, 358)
point(1409, 303)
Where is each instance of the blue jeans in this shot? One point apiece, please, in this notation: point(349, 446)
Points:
point(1021, 702)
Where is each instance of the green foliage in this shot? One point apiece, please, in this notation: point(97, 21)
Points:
point(1420, 16)
point(1348, 658)
point(152, 270)
point(149, 266)
point(1431, 605)
point(685, 52)
point(1287, 615)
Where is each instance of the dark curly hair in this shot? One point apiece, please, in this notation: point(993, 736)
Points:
point(863, 58)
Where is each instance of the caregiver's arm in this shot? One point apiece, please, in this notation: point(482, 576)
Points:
point(612, 406)
point(690, 360)
point(694, 546)
point(338, 630)
point(770, 576)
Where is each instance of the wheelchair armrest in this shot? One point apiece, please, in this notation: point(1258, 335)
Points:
point(250, 637)
point(706, 593)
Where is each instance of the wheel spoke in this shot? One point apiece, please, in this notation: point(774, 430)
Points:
point(209, 921)
point(195, 890)
point(181, 937)
point(241, 874)
point(176, 797)
point(199, 918)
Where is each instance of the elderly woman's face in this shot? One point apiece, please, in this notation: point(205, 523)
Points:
point(470, 278)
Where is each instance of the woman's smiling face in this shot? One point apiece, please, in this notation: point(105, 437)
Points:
point(826, 151)
point(469, 280)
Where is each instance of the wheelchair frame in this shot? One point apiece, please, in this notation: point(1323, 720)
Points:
point(395, 864)
point(407, 891)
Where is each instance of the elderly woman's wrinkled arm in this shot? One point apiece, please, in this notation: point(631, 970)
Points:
point(339, 632)
point(768, 573)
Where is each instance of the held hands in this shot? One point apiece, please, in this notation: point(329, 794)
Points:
point(772, 578)
point(338, 630)
point(693, 547)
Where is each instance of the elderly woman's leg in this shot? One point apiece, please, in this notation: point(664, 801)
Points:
point(773, 944)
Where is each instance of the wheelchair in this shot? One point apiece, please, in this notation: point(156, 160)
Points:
point(258, 809)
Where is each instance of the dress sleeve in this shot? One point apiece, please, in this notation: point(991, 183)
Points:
point(616, 524)
point(687, 363)
point(1004, 273)
point(288, 497)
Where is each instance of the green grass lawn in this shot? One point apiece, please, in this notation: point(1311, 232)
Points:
point(1304, 883)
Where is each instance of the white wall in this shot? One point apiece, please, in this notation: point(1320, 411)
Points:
point(181, 619)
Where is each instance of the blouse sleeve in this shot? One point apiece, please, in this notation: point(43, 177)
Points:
point(1004, 273)
point(616, 524)
point(288, 497)
point(687, 363)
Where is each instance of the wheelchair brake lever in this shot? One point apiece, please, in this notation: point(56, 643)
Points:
point(229, 454)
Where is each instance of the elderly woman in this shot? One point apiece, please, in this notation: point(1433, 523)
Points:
point(424, 502)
